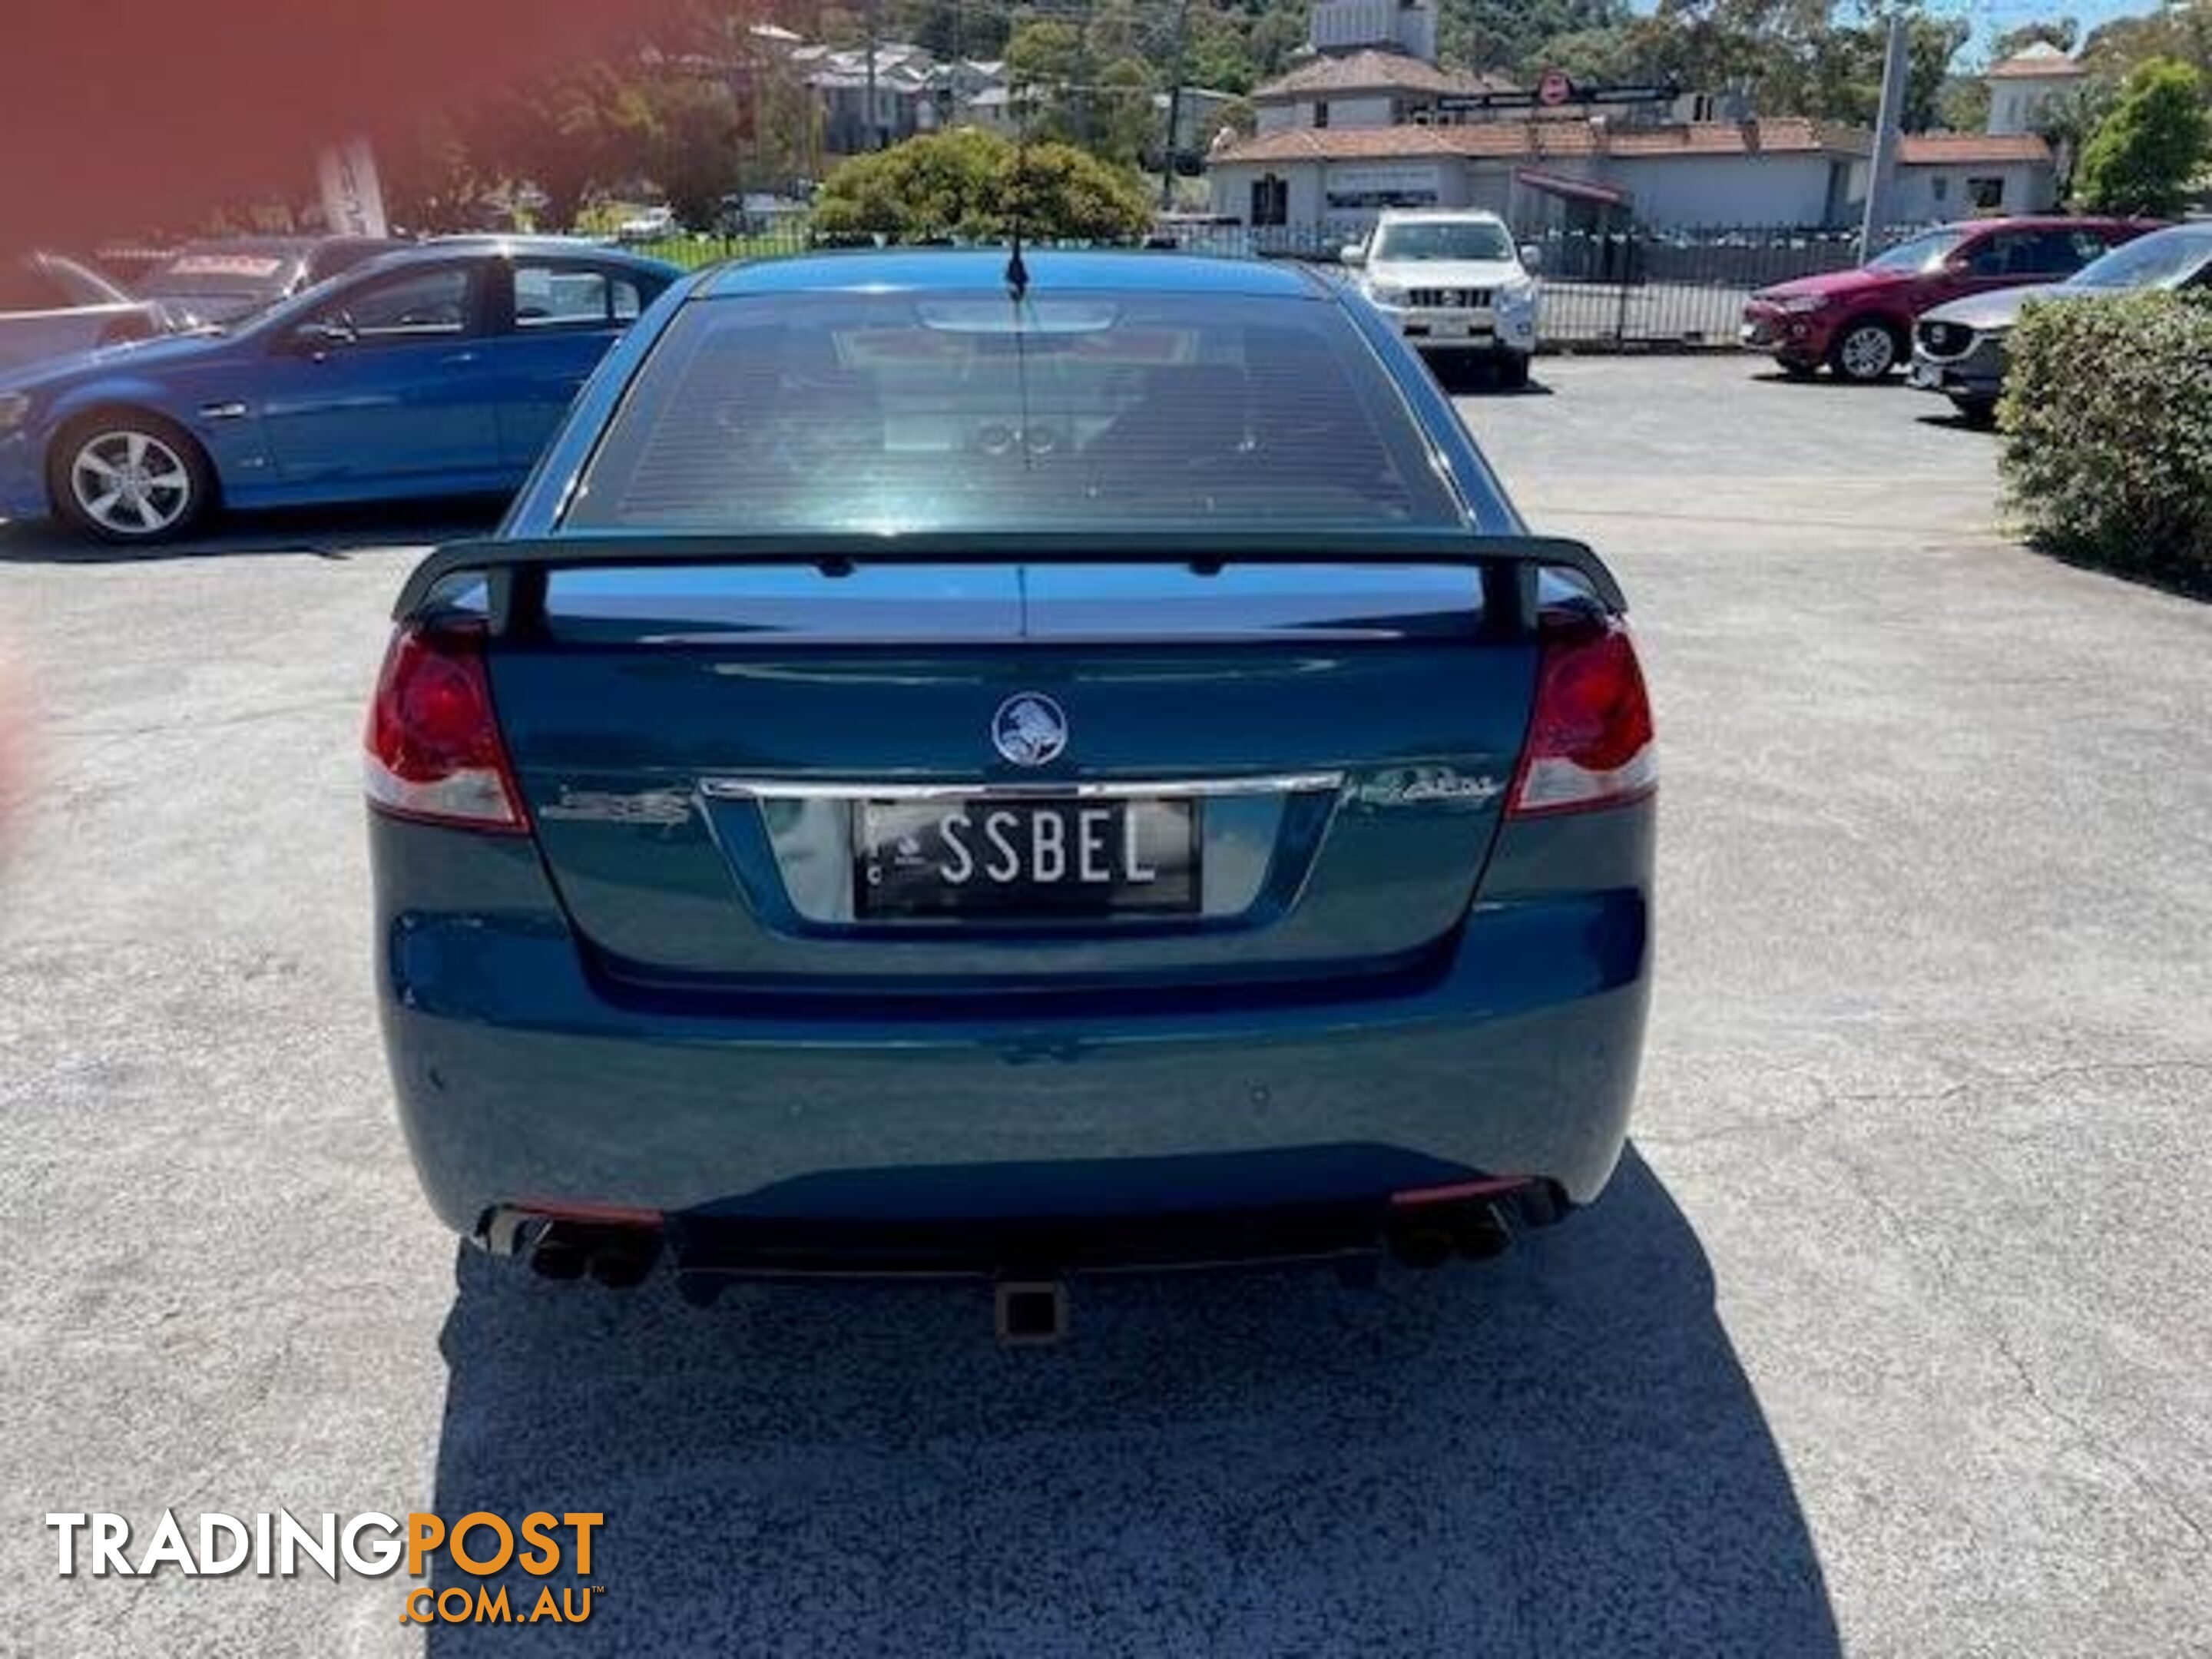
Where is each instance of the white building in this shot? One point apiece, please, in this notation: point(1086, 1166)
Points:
point(1367, 87)
point(1406, 26)
point(1578, 172)
point(1340, 137)
point(1964, 175)
point(2024, 87)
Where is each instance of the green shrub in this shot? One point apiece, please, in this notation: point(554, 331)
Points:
point(964, 186)
point(2107, 424)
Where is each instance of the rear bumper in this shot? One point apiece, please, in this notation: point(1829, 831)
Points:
point(523, 1080)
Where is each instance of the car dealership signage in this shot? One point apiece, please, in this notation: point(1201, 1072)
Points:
point(1383, 185)
point(353, 197)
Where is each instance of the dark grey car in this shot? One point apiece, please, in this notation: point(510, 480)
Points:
point(1959, 349)
point(219, 282)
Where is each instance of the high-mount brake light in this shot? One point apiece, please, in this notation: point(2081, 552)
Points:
point(434, 752)
point(1590, 740)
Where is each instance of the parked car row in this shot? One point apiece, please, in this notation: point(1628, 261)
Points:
point(436, 369)
point(1858, 323)
point(218, 282)
point(1959, 349)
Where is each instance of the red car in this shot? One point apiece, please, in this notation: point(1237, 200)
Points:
point(1859, 323)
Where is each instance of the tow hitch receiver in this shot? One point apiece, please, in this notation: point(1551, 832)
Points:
point(1031, 1313)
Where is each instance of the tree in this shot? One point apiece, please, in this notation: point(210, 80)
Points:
point(2114, 50)
point(692, 151)
point(1217, 51)
point(1127, 129)
point(2059, 32)
point(1509, 35)
point(1046, 66)
point(1963, 105)
point(583, 129)
point(2143, 155)
point(1044, 53)
point(430, 178)
point(968, 184)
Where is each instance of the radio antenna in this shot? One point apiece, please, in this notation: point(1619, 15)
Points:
point(1017, 274)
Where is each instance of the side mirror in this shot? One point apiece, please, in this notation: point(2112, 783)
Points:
point(1351, 254)
point(1532, 257)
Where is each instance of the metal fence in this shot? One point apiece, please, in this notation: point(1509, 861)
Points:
point(1602, 290)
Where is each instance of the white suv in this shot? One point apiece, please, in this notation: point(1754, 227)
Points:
point(1452, 281)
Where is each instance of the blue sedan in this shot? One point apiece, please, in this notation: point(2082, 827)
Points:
point(440, 370)
point(1007, 766)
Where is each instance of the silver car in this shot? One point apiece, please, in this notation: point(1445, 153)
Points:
point(1959, 349)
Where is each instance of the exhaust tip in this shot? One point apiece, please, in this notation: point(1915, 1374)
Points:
point(1483, 1234)
point(620, 1269)
point(617, 1256)
point(1421, 1245)
point(556, 1258)
point(1031, 1313)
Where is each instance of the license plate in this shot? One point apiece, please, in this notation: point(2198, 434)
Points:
point(1014, 858)
point(1451, 328)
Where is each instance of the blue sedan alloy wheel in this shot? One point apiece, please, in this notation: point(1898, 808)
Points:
point(131, 478)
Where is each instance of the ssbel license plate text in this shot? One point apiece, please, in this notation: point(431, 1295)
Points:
point(1010, 858)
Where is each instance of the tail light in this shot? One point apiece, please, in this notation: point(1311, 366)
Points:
point(434, 752)
point(1590, 740)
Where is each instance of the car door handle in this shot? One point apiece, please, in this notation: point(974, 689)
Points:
point(457, 360)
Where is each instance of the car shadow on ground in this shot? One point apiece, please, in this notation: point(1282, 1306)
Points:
point(1829, 379)
point(1483, 379)
point(330, 531)
point(1555, 1452)
point(1957, 423)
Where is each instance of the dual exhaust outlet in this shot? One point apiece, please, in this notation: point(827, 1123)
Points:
point(1030, 1310)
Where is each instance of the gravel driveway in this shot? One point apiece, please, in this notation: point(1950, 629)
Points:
point(1890, 1338)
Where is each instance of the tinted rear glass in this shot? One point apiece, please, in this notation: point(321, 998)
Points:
point(936, 411)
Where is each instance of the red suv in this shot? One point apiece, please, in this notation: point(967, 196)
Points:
point(1859, 323)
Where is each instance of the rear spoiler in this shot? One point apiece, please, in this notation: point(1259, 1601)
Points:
point(515, 570)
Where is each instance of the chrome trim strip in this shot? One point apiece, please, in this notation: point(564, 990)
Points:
point(1284, 783)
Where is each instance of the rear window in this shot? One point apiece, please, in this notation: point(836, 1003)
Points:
point(945, 411)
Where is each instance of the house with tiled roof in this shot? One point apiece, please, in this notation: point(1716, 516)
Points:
point(1345, 134)
point(1366, 88)
point(1788, 172)
point(2025, 88)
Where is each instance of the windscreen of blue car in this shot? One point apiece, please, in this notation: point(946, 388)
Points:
point(902, 411)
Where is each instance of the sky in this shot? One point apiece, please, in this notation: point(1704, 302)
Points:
point(1992, 18)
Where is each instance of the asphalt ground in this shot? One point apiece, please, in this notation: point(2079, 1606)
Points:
point(1891, 1336)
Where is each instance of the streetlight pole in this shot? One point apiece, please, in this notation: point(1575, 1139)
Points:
point(875, 128)
point(1882, 169)
point(1174, 108)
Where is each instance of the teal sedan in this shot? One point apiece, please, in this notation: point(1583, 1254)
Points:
point(1017, 766)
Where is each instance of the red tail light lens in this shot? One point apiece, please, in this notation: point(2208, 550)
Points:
point(1590, 740)
point(434, 752)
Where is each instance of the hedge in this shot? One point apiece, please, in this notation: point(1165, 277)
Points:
point(2107, 434)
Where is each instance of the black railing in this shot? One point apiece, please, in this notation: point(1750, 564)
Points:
point(1602, 288)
